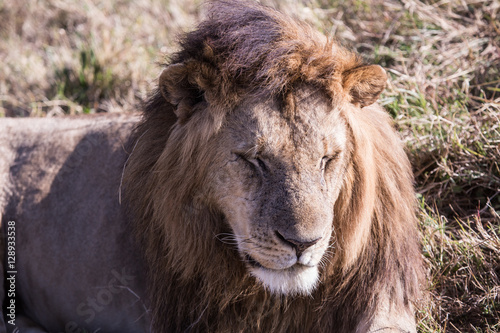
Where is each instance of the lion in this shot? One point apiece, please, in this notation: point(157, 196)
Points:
point(263, 189)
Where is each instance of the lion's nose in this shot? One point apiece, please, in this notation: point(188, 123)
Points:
point(299, 245)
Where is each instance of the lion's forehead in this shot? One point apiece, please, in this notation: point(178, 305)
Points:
point(307, 126)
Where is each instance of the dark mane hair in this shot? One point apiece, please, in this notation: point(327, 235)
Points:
point(198, 283)
point(261, 50)
point(244, 48)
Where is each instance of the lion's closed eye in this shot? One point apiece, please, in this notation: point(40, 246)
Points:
point(327, 160)
point(254, 162)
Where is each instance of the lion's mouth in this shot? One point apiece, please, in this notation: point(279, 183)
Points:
point(255, 264)
point(292, 280)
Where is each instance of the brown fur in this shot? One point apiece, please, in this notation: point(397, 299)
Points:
point(198, 283)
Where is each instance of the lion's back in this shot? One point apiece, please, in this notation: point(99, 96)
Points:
point(59, 183)
point(36, 152)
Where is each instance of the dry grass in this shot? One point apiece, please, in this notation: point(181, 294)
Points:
point(83, 56)
point(443, 57)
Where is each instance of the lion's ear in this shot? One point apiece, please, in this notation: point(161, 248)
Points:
point(176, 87)
point(364, 84)
point(172, 83)
point(186, 84)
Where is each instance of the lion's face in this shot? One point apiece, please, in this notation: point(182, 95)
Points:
point(279, 179)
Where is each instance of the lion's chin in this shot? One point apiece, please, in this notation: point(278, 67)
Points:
point(296, 280)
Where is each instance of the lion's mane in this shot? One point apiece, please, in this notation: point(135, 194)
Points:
point(200, 283)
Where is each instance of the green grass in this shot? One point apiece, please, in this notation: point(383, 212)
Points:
point(443, 60)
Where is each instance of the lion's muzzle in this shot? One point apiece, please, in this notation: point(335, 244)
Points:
point(299, 245)
point(285, 265)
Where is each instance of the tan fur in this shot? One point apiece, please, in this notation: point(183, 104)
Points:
point(247, 57)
